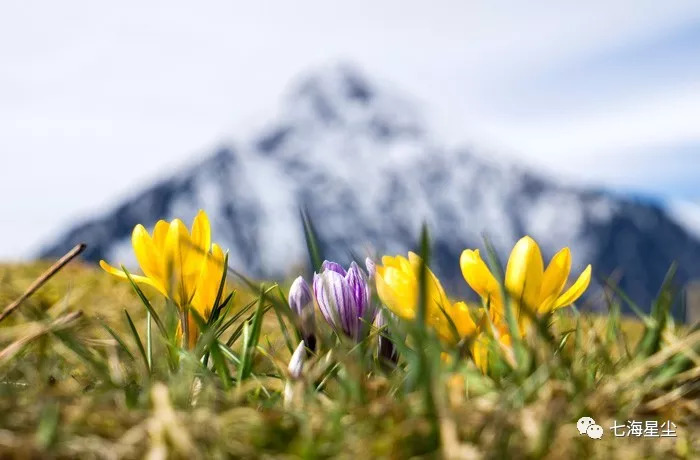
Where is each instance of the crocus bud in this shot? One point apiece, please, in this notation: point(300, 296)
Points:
point(344, 298)
point(301, 302)
point(299, 296)
point(295, 367)
point(296, 362)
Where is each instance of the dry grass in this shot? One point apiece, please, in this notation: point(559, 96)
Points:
point(56, 403)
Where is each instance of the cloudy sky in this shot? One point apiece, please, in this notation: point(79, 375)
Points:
point(98, 98)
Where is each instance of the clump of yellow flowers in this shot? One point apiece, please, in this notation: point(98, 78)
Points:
point(533, 290)
point(182, 265)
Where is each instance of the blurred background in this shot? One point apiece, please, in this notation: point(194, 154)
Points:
point(576, 123)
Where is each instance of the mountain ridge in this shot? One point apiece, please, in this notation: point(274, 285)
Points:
point(361, 161)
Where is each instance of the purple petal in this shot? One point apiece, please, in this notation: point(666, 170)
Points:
point(333, 266)
point(299, 296)
point(332, 293)
point(301, 302)
point(359, 285)
point(336, 301)
point(321, 298)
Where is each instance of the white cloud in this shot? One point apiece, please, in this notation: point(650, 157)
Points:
point(100, 97)
point(606, 142)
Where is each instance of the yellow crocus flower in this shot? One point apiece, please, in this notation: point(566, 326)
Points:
point(527, 282)
point(185, 267)
point(488, 340)
point(397, 282)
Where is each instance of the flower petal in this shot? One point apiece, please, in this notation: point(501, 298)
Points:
point(554, 279)
point(480, 352)
point(462, 319)
point(146, 253)
point(119, 273)
point(160, 231)
point(389, 261)
point(478, 276)
point(177, 248)
point(576, 290)
point(335, 300)
point(436, 293)
point(397, 290)
point(359, 285)
point(333, 266)
point(299, 296)
point(524, 273)
point(201, 232)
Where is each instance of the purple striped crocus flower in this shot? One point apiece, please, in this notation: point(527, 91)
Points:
point(301, 303)
point(344, 298)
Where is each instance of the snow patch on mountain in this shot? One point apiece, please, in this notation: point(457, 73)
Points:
point(687, 214)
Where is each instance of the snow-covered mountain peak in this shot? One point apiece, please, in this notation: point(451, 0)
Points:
point(356, 155)
point(342, 97)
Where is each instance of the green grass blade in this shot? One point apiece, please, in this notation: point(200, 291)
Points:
point(251, 337)
point(312, 245)
point(84, 353)
point(229, 354)
point(146, 303)
point(137, 339)
point(425, 374)
point(651, 339)
point(451, 324)
point(119, 340)
point(149, 340)
point(220, 364)
point(630, 303)
point(216, 308)
point(285, 331)
point(224, 327)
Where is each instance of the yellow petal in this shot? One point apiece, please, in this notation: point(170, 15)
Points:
point(147, 255)
point(524, 274)
point(176, 242)
point(160, 231)
point(193, 331)
point(477, 274)
point(218, 253)
point(576, 290)
point(396, 289)
point(462, 318)
point(480, 352)
point(404, 264)
point(119, 273)
point(390, 261)
point(414, 259)
point(436, 293)
point(554, 279)
point(209, 281)
point(201, 232)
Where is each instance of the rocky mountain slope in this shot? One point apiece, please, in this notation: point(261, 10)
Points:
point(360, 160)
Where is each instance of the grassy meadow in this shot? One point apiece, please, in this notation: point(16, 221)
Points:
point(88, 371)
